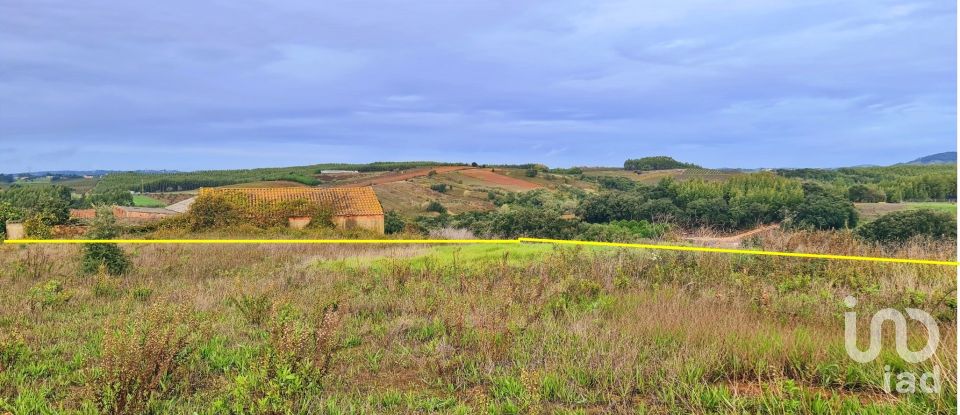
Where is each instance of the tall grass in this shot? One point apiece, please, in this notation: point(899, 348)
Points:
point(271, 329)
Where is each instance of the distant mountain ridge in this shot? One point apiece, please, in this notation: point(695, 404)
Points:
point(939, 158)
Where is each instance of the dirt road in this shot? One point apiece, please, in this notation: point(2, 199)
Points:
point(731, 241)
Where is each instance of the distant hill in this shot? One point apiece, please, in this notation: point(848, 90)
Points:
point(939, 158)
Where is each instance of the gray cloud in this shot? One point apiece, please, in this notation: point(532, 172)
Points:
point(187, 85)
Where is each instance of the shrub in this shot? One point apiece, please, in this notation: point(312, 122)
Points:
point(49, 294)
point(39, 226)
point(571, 171)
point(435, 206)
point(903, 225)
point(531, 173)
point(103, 257)
point(623, 231)
point(212, 211)
point(144, 361)
point(516, 222)
point(254, 308)
point(440, 187)
point(393, 222)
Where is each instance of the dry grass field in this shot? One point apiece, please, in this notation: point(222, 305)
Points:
point(471, 329)
point(871, 211)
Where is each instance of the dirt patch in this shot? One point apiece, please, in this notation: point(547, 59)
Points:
point(731, 241)
point(491, 178)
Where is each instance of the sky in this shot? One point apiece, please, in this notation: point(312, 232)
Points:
point(188, 84)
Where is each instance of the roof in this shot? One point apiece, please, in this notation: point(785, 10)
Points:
point(345, 201)
point(161, 211)
point(183, 205)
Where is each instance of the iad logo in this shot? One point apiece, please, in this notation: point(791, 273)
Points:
point(906, 381)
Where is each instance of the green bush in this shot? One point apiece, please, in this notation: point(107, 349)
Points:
point(103, 257)
point(39, 226)
point(212, 211)
point(901, 226)
point(623, 231)
point(531, 172)
point(517, 222)
point(393, 222)
point(440, 187)
point(435, 206)
point(49, 294)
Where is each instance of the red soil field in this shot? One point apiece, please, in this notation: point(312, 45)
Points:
point(499, 179)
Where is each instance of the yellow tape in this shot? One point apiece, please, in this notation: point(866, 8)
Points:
point(484, 241)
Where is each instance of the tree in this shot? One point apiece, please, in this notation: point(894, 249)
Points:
point(118, 197)
point(47, 201)
point(864, 194)
point(529, 222)
point(708, 212)
point(823, 210)
point(616, 183)
point(658, 210)
point(655, 163)
point(611, 206)
point(104, 257)
point(900, 226)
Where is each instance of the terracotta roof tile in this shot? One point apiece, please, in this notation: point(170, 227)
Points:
point(345, 201)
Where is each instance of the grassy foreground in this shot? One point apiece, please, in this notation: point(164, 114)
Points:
point(473, 329)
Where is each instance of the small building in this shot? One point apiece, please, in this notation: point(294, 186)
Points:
point(339, 171)
point(353, 207)
point(15, 230)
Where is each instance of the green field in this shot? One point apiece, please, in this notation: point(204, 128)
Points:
point(146, 201)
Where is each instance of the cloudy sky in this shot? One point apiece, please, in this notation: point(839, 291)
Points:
point(190, 84)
